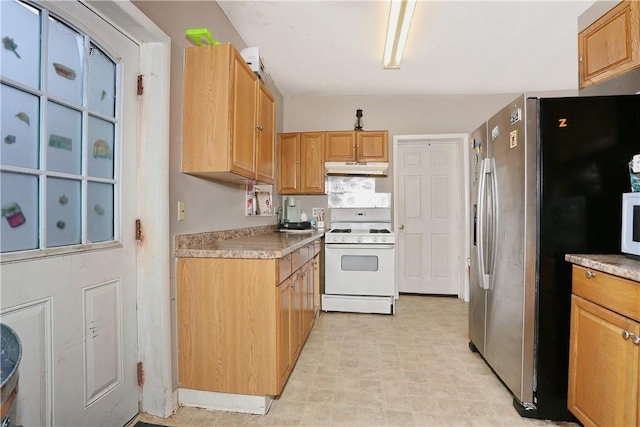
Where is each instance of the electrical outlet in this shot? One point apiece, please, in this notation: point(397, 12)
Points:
point(315, 212)
point(181, 213)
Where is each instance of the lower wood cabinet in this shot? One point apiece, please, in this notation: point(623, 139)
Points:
point(241, 324)
point(604, 356)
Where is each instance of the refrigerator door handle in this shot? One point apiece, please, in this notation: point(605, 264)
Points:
point(482, 205)
point(493, 221)
point(487, 204)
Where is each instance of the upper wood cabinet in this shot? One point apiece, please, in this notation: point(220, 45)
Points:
point(228, 117)
point(266, 144)
point(357, 146)
point(611, 45)
point(301, 163)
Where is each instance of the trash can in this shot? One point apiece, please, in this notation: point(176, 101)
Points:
point(10, 355)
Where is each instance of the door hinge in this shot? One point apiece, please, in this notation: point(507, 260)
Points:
point(138, 231)
point(140, 374)
point(140, 85)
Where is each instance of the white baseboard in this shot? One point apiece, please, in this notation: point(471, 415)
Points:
point(225, 401)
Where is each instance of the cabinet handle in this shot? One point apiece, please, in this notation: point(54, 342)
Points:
point(590, 274)
point(580, 60)
point(626, 334)
point(636, 340)
point(259, 127)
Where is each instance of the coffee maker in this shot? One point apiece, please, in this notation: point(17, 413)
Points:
point(291, 210)
point(291, 219)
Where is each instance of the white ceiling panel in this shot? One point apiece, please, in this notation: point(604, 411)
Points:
point(334, 48)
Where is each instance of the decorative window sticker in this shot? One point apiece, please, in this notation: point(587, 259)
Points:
point(24, 117)
point(14, 215)
point(64, 71)
point(10, 45)
point(62, 142)
point(101, 150)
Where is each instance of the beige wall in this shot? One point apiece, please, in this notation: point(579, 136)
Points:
point(209, 206)
point(400, 115)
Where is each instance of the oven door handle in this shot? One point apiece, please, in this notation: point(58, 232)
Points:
point(358, 246)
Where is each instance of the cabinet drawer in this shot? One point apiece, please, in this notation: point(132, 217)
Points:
point(299, 257)
point(612, 292)
point(284, 268)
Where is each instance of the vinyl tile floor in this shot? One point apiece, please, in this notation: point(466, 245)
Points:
point(411, 369)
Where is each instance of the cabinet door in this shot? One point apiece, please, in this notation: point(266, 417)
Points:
point(308, 308)
point(284, 351)
point(316, 284)
point(611, 45)
point(243, 118)
point(288, 163)
point(372, 146)
point(206, 104)
point(312, 163)
point(266, 147)
point(296, 316)
point(340, 146)
point(603, 366)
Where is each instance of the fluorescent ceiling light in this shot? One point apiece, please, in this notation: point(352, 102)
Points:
point(400, 16)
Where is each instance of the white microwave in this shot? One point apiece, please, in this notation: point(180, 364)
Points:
point(630, 244)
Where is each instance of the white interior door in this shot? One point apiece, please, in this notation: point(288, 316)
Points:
point(73, 301)
point(428, 216)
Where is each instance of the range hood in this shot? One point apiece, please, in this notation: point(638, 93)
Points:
point(357, 168)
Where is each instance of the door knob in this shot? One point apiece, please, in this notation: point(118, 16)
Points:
point(401, 227)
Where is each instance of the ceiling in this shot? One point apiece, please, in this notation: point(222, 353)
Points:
point(334, 48)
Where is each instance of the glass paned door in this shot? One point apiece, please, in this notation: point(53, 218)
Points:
point(68, 263)
point(59, 140)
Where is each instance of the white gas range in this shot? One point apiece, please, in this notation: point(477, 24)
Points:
point(360, 261)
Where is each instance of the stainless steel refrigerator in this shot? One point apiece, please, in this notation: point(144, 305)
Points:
point(547, 177)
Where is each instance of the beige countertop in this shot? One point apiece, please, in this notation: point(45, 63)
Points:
point(262, 246)
point(618, 265)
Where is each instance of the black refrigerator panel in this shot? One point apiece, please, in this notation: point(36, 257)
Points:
point(585, 145)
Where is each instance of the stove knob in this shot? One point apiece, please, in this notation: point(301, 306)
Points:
point(383, 239)
point(344, 239)
point(375, 239)
point(359, 239)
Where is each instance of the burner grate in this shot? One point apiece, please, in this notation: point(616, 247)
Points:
point(341, 230)
point(379, 230)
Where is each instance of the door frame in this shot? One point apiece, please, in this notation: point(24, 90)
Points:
point(462, 142)
point(157, 395)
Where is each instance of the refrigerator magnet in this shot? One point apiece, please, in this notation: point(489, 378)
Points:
point(495, 132)
point(513, 138)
